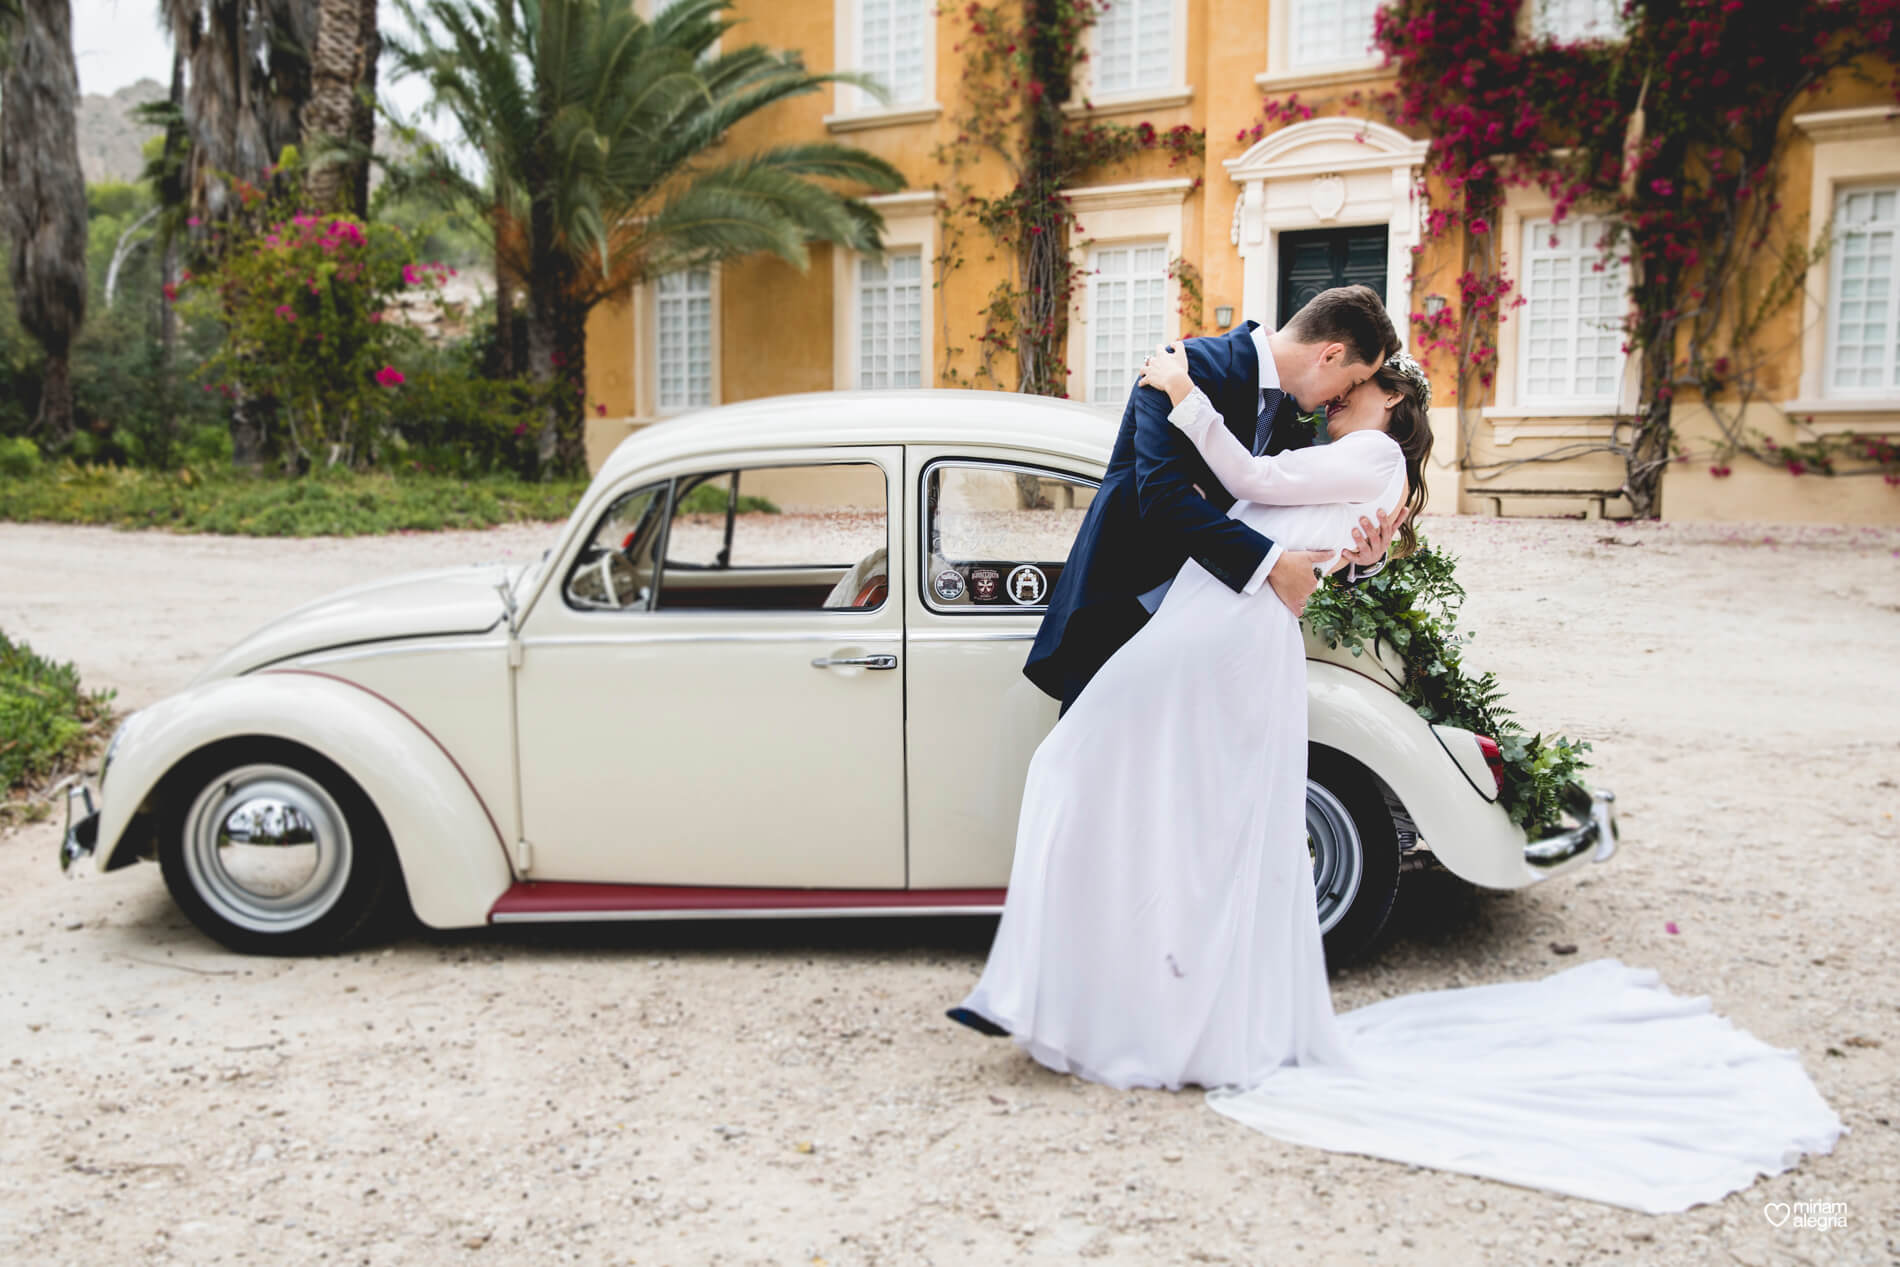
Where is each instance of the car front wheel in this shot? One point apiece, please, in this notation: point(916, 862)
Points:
point(1354, 847)
point(270, 848)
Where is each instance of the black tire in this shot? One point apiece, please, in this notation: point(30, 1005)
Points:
point(262, 787)
point(1355, 848)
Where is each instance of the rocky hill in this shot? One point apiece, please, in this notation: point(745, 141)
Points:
point(111, 142)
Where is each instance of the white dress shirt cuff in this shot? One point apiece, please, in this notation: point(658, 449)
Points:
point(1266, 566)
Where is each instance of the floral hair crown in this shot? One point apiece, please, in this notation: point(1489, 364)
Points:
point(1405, 367)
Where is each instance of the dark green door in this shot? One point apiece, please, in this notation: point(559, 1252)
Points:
point(1318, 259)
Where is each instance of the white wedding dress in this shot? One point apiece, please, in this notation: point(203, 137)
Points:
point(1161, 929)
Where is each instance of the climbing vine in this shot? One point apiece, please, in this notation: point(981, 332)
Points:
point(1675, 133)
point(1020, 61)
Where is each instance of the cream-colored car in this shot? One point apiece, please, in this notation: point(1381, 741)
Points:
point(770, 666)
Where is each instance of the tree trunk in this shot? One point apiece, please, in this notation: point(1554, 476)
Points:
point(1043, 317)
point(55, 422)
point(43, 197)
point(369, 50)
point(330, 116)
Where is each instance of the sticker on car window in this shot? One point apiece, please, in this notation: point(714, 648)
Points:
point(983, 583)
point(1027, 585)
point(948, 585)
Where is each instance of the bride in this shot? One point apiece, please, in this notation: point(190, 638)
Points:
point(1160, 927)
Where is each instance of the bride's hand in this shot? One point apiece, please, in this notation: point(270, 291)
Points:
point(1167, 370)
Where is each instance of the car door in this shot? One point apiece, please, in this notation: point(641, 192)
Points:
point(712, 691)
point(989, 531)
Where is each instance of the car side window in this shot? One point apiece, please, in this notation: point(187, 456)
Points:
point(615, 569)
point(808, 537)
point(997, 535)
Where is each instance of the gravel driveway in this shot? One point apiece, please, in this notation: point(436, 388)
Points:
point(790, 1092)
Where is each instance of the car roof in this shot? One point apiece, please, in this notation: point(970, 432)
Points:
point(917, 415)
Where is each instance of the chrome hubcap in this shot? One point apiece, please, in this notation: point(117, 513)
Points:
point(1332, 842)
point(267, 848)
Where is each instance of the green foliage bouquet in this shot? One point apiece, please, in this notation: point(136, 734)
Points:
point(1412, 604)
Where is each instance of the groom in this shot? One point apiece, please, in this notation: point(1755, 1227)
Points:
point(1148, 517)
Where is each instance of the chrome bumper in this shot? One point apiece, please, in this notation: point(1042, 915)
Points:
point(82, 836)
point(1596, 809)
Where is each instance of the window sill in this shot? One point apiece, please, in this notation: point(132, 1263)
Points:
point(1129, 103)
point(1846, 414)
point(1321, 76)
point(1585, 409)
point(860, 120)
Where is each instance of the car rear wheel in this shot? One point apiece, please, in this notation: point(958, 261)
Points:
point(1354, 847)
point(270, 848)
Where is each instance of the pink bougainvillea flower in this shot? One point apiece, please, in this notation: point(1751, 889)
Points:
point(1670, 927)
point(521, 428)
point(389, 376)
point(193, 221)
point(284, 311)
point(600, 411)
point(411, 274)
point(375, 318)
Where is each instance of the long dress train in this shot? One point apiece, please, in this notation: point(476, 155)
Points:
point(1160, 927)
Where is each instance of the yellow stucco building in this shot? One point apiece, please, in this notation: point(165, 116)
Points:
point(1271, 215)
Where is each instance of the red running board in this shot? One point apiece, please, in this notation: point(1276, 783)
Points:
point(550, 901)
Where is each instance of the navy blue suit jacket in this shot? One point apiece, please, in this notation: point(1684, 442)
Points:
point(1146, 519)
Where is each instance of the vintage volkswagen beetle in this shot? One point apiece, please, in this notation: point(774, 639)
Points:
point(771, 666)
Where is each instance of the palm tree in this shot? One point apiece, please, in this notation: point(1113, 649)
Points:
point(596, 129)
point(338, 116)
point(43, 193)
point(248, 64)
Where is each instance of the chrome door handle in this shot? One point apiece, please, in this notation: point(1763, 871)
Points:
point(860, 661)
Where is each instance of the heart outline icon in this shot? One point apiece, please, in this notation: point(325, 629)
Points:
point(1777, 1207)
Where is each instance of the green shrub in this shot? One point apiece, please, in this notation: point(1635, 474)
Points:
point(19, 456)
point(46, 720)
point(326, 502)
point(710, 499)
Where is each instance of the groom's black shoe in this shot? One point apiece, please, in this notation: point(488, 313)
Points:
point(981, 1024)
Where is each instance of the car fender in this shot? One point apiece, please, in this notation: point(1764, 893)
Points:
point(1474, 838)
point(452, 852)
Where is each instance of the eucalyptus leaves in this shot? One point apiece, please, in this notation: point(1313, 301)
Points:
point(1412, 603)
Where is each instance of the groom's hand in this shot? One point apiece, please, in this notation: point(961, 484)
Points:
point(1294, 579)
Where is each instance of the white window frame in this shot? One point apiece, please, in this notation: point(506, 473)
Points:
point(1111, 215)
point(910, 224)
point(1830, 360)
point(852, 108)
point(887, 285)
point(1511, 415)
point(1853, 147)
point(1587, 256)
point(650, 349)
point(1289, 12)
point(1117, 394)
point(1132, 12)
point(1283, 74)
point(1605, 24)
point(1174, 93)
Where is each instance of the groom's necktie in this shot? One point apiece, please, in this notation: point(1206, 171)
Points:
point(1263, 425)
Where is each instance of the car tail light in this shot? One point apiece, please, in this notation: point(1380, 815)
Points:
point(1493, 758)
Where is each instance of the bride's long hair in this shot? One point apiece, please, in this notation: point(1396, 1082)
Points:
point(1407, 423)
